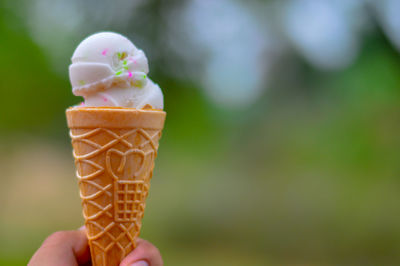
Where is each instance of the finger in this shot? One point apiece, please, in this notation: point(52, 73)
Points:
point(64, 248)
point(145, 252)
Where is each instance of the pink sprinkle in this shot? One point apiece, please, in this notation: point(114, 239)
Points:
point(129, 74)
point(104, 51)
point(104, 99)
point(82, 104)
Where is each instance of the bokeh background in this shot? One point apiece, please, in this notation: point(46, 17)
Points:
point(281, 145)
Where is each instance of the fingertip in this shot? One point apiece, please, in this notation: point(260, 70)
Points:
point(81, 250)
point(144, 254)
point(140, 263)
point(82, 228)
point(136, 263)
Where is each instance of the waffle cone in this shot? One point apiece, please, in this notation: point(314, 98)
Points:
point(114, 151)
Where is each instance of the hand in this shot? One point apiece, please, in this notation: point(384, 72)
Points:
point(70, 248)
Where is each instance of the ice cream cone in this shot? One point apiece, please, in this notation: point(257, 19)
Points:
point(114, 151)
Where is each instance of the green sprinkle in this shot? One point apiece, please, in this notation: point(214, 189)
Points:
point(118, 73)
point(144, 76)
point(125, 67)
point(125, 62)
point(82, 82)
point(119, 55)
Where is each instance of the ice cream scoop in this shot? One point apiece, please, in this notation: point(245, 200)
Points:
point(108, 70)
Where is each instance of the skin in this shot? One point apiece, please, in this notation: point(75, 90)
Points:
point(70, 248)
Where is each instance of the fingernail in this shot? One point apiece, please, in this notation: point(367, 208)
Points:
point(140, 263)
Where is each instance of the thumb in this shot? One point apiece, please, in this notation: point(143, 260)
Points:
point(64, 248)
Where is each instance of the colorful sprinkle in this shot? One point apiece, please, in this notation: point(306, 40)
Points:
point(119, 55)
point(104, 99)
point(125, 62)
point(118, 73)
point(129, 74)
point(144, 76)
point(82, 104)
point(125, 67)
point(104, 51)
point(82, 82)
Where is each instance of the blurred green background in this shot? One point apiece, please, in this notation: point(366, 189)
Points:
point(281, 145)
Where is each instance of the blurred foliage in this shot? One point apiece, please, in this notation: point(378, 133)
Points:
point(308, 174)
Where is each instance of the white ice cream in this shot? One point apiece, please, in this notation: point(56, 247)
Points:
point(108, 70)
